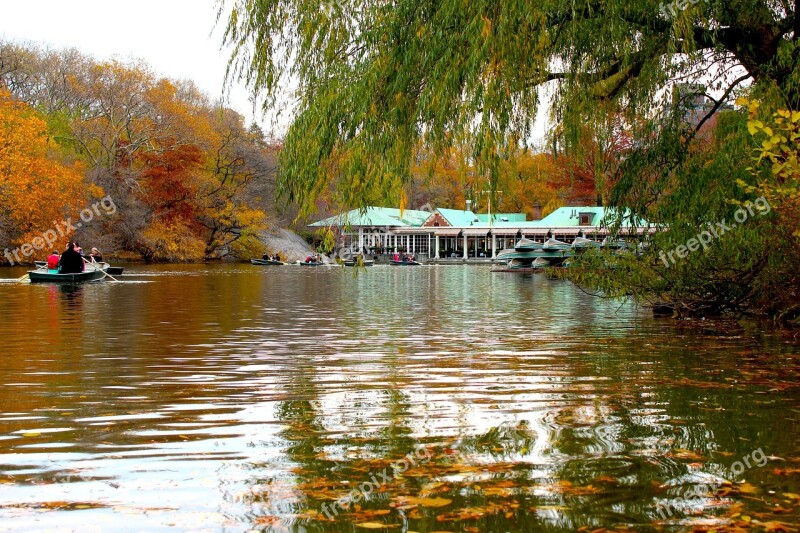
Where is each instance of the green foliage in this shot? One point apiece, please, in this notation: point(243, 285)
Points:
point(753, 266)
point(375, 77)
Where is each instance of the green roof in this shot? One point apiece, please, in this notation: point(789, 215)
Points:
point(499, 217)
point(458, 218)
point(562, 217)
point(570, 216)
point(375, 216)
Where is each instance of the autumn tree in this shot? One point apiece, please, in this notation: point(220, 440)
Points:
point(190, 181)
point(37, 190)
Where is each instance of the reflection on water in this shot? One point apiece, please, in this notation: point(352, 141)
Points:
point(238, 397)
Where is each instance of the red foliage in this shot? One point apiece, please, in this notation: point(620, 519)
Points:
point(170, 181)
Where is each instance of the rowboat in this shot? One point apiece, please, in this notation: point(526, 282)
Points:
point(114, 271)
point(554, 244)
point(93, 272)
point(527, 245)
point(266, 262)
point(354, 262)
point(405, 263)
point(311, 263)
point(583, 242)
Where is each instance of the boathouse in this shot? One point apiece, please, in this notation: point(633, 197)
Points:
point(458, 235)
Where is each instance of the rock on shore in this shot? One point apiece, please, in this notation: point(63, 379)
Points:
point(288, 244)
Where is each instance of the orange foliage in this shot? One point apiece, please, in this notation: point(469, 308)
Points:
point(36, 191)
point(169, 182)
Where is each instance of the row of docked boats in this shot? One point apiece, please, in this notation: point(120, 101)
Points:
point(352, 262)
point(528, 254)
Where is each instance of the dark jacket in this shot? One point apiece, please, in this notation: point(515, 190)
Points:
point(71, 262)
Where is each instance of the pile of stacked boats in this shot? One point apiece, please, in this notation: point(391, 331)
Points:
point(528, 254)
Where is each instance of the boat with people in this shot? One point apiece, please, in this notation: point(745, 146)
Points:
point(266, 262)
point(114, 271)
point(92, 272)
point(404, 260)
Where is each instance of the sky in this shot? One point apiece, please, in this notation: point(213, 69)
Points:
point(177, 38)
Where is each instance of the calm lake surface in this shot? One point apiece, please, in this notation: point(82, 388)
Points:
point(448, 398)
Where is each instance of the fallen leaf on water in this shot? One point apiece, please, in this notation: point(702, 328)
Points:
point(685, 454)
point(376, 525)
point(606, 479)
point(498, 491)
point(786, 472)
point(424, 502)
point(777, 526)
point(267, 520)
point(32, 434)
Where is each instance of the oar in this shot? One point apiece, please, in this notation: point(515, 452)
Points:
point(94, 265)
point(22, 278)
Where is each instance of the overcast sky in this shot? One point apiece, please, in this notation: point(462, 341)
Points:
point(175, 37)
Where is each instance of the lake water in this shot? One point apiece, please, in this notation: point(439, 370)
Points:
point(447, 398)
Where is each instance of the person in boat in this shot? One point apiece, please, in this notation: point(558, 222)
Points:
point(265, 257)
point(309, 259)
point(78, 248)
point(71, 261)
point(52, 260)
point(396, 257)
point(95, 256)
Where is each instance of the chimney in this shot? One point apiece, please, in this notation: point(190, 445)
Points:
point(469, 205)
point(537, 211)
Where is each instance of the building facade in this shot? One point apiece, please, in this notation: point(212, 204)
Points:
point(451, 234)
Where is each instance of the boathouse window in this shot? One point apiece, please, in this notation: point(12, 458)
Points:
point(435, 224)
point(586, 219)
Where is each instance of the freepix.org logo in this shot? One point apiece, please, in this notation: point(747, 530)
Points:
point(60, 230)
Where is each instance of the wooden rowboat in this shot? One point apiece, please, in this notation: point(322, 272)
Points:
point(114, 271)
point(266, 262)
point(354, 262)
point(405, 263)
point(93, 272)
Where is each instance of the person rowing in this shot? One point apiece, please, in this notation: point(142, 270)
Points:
point(95, 256)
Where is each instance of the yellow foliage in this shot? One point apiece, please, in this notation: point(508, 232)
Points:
point(778, 150)
point(36, 192)
point(173, 241)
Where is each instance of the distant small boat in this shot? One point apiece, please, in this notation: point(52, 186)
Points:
point(540, 262)
point(405, 263)
point(554, 244)
point(615, 244)
point(583, 242)
point(354, 262)
point(525, 245)
point(266, 262)
point(93, 272)
point(310, 263)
